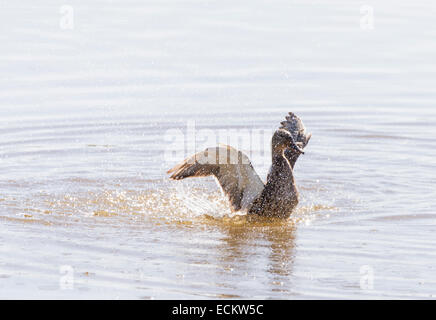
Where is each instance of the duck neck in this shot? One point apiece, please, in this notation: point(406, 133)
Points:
point(281, 168)
point(278, 159)
point(291, 156)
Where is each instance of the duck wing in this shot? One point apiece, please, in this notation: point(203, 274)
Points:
point(231, 168)
point(296, 128)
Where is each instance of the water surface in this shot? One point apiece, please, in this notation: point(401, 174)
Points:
point(84, 118)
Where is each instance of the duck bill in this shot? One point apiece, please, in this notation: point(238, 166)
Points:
point(297, 149)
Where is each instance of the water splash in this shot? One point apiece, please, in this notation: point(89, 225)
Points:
point(167, 204)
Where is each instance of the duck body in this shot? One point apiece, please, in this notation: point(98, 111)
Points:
point(280, 195)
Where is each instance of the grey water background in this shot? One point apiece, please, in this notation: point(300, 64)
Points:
point(87, 211)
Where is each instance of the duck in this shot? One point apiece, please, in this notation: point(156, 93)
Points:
point(238, 180)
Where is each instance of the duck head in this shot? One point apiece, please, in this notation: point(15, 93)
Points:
point(282, 140)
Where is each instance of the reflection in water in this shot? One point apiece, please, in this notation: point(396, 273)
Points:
point(248, 241)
